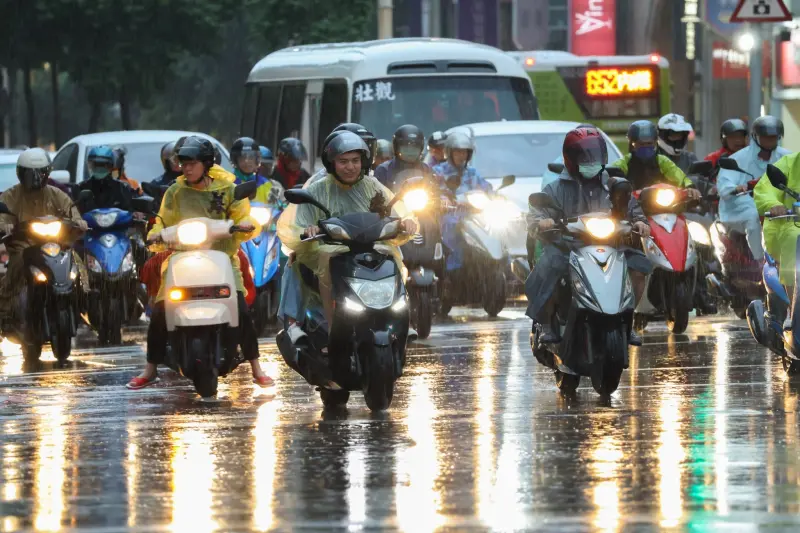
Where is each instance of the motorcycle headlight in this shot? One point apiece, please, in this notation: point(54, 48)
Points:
point(416, 199)
point(38, 275)
point(478, 199)
point(51, 249)
point(105, 220)
point(602, 228)
point(337, 232)
point(375, 294)
point(665, 197)
point(699, 233)
point(262, 215)
point(192, 233)
point(46, 229)
point(500, 212)
point(390, 229)
point(93, 264)
point(127, 262)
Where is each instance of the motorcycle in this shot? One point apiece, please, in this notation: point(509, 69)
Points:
point(669, 290)
point(364, 348)
point(264, 255)
point(485, 255)
point(48, 306)
point(594, 306)
point(201, 304)
point(767, 325)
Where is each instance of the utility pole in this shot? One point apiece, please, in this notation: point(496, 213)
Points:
point(385, 22)
point(756, 74)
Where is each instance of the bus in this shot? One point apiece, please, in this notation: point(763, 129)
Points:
point(306, 91)
point(607, 91)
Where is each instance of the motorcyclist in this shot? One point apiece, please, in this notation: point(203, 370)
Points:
point(673, 136)
point(198, 194)
point(172, 167)
point(583, 187)
point(733, 135)
point(383, 153)
point(367, 136)
point(246, 159)
point(31, 198)
point(346, 189)
point(436, 144)
point(408, 142)
point(118, 171)
point(106, 191)
point(289, 171)
point(267, 161)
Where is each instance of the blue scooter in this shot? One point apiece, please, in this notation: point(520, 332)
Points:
point(767, 325)
point(113, 278)
point(264, 254)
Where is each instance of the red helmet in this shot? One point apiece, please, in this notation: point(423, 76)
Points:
point(584, 145)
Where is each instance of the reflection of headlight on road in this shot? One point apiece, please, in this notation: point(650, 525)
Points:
point(699, 233)
point(478, 199)
point(602, 228)
point(192, 233)
point(416, 199)
point(500, 212)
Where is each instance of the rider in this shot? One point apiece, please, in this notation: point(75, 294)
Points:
point(198, 194)
point(118, 171)
point(289, 171)
point(106, 191)
point(383, 153)
point(581, 188)
point(246, 159)
point(367, 136)
point(32, 198)
point(673, 136)
point(172, 168)
point(737, 210)
point(733, 135)
point(436, 144)
point(408, 142)
point(267, 161)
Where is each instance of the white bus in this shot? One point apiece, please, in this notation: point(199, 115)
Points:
point(306, 91)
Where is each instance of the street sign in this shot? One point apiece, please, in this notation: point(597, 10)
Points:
point(761, 11)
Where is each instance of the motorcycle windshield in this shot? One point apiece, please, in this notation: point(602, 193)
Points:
point(362, 228)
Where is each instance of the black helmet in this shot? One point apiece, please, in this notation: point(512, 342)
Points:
point(767, 126)
point(384, 149)
point(437, 139)
point(247, 147)
point(408, 143)
point(166, 153)
point(33, 168)
point(197, 149)
point(325, 143)
point(217, 155)
point(344, 142)
point(367, 136)
point(642, 131)
point(293, 148)
point(731, 126)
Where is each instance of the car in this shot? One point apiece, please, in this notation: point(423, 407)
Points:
point(8, 168)
point(522, 148)
point(143, 159)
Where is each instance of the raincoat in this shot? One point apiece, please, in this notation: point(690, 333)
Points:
point(182, 202)
point(734, 208)
point(665, 171)
point(714, 157)
point(780, 236)
point(470, 179)
point(264, 185)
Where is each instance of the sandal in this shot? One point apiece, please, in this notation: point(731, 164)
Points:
point(264, 382)
point(140, 383)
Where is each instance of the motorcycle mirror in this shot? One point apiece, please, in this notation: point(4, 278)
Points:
point(508, 181)
point(776, 177)
point(556, 168)
point(143, 204)
point(729, 164)
point(301, 196)
point(701, 168)
point(620, 191)
point(615, 172)
point(245, 190)
point(540, 200)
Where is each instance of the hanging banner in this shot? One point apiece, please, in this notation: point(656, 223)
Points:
point(593, 28)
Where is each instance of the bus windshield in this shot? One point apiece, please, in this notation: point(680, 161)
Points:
point(437, 103)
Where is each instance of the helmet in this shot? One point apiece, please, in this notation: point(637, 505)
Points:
point(384, 149)
point(459, 140)
point(731, 126)
point(166, 154)
point(437, 139)
point(408, 143)
point(584, 146)
point(342, 143)
point(247, 148)
point(266, 154)
point(100, 161)
point(669, 124)
point(217, 155)
point(367, 136)
point(642, 131)
point(33, 168)
point(767, 126)
point(197, 149)
point(291, 147)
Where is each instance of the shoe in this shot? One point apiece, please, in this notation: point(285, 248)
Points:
point(547, 335)
point(141, 383)
point(264, 382)
point(295, 333)
point(634, 339)
point(787, 324)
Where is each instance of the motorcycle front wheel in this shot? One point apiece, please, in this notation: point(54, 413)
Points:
point(206, 374)
point(61, 342)
point(678, 309)
point(494, 298)
point(423, 308)
point(378, 380)
point(609, 362)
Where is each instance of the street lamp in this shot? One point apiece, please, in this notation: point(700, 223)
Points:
point(746, 42)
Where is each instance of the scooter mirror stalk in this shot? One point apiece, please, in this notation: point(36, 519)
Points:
point(702, 168)
point(508, 181)
point(540, 200)
point(245, 190)
point(300, 196)
point(556, 168)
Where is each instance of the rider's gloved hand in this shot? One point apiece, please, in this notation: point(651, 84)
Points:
point(410, 226)
point(82, 225)
point(693, 194)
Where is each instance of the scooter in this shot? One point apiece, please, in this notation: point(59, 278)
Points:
point(594, 305)
point(201, 304)
point(767, 325)
point(670, 287)
point(481, 276)
point(48, 305)
point(264, 254)
point(364, 348)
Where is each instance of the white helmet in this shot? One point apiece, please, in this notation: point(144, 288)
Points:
point(459, 140)
point(33, 168)
point(673, 123)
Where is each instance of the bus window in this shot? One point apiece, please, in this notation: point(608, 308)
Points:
point(291, 113)
point(269, 98)
point(248, 125)
point(334, 108)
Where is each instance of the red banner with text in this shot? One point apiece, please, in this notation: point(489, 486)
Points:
point(593, 28)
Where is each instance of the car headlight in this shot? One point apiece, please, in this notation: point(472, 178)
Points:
point(416, 199)
point(478, 199)
point(51, 249)
point(602, 228)
point(375, 294)
point(665, 197)
point(105, 220)
point(262, 215)
point(699, 233)
point(390, 230)
point(93, 264)
point(127, 262)
point(192, 233)
point(46, 229)
point(337, 232)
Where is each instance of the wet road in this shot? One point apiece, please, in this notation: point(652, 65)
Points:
point(703, 435)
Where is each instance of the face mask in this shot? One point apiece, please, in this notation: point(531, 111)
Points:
point(645, 152)
point(100, 173)
point(590, 171)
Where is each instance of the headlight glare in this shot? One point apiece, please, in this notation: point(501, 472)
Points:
point(416, 199)
point(478, 199)
point(665, 197)
point(699, 233)
point(602, 228)
point(375, 294)
point(262, 215)
point(192, 233)
point(46, 229)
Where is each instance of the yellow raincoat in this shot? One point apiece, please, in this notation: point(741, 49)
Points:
point(182, 202)
point(780, 236)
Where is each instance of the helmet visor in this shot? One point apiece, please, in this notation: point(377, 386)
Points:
point(35, 178)
point(409, 152)
point(590, 150)
point(296, 151)
point(250, 160)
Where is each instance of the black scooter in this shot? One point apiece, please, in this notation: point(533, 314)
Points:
point(365, 346)
point(48, 307)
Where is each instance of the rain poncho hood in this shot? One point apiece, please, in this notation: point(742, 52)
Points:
point(734, 208)
point(664, 171)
